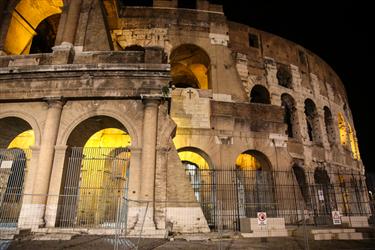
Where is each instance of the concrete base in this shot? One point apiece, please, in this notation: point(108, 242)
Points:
point(31, 216)
point(186, 220)
point(336, 234)
point(275, 228)
point(355, 221)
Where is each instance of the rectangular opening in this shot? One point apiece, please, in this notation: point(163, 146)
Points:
point(187, 4)
point(253, 40)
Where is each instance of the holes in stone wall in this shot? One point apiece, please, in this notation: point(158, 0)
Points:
point(284, 77)
point(312, 120)
point(260, 94)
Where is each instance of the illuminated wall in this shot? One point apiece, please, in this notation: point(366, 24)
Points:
point(342, 129)
point(247, 162)
point(26, 17)
point(195, 158)
point(23, 141)
point(103, 175)
point(353, 144)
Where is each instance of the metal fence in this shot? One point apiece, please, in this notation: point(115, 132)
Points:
point(13, 168)
point(293, 195)
point(94, 194)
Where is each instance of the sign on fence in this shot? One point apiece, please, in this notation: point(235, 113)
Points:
point(6, 164)
point(321, 195)
point(262, 218)
point(336, 217)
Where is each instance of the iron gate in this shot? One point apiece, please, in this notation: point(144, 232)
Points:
point(13, 167)
point(94, 184)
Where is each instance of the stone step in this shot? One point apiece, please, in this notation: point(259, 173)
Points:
point(55, 236)
point(338, 236)
point(333, 230)
point(266, 233)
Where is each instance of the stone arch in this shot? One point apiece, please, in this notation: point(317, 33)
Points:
point(20, 122)
point(324, 194)
point(123, 120)
point(190, 67)
point(200, 152)
point(255, 184)
point(330, 128)
point(312, 121)
point(94, 176)
point(290, 115)
point(260, 94)
point(26, 17)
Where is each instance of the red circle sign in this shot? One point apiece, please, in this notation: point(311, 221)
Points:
point(262, 216)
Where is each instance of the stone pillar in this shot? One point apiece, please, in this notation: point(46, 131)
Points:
point(24, 218)
point(55, 185)
point(43, 174)
point(64, 53)
point(150, 126)
point(72, 21)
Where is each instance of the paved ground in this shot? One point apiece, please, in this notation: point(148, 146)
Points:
point(103, 242)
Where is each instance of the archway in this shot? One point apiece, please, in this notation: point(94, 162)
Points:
point(312, 121)
point(32, 18)
point(198, 167)
point(260, 94)
point(190, 67)
point(324, 196)
point(255, 185)
point(96, 173)
point(16, 138)
point(290, 115)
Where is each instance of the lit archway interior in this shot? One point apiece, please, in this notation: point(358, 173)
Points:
point(255, 188)
point(26, 17)
point(96, 172)
point(190, 67)
point(16, 138)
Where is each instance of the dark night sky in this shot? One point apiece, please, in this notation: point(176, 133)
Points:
point(338, 33)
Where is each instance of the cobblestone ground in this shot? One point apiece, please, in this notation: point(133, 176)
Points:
point(101, 242)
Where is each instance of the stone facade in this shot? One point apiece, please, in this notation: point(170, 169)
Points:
point(92, 72)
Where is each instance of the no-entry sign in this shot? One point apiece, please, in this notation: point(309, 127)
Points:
point(336, 217)
point(262, 218)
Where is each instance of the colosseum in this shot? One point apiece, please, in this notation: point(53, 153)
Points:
point(168, 117)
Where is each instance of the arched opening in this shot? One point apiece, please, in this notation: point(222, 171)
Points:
point(16, 138)
point(330, 128)
point(312, 121)
point(33, 27)
point(260, 94)
point(342, 130)
point(255, 186)
point(290, 115)
point(134, 47)
point(324, 196)
point(197, 167)
point(284, 77)
point(190, 67)
point(96, 173)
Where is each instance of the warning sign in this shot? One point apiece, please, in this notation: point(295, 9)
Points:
point(262, 218)
point(336, 217)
